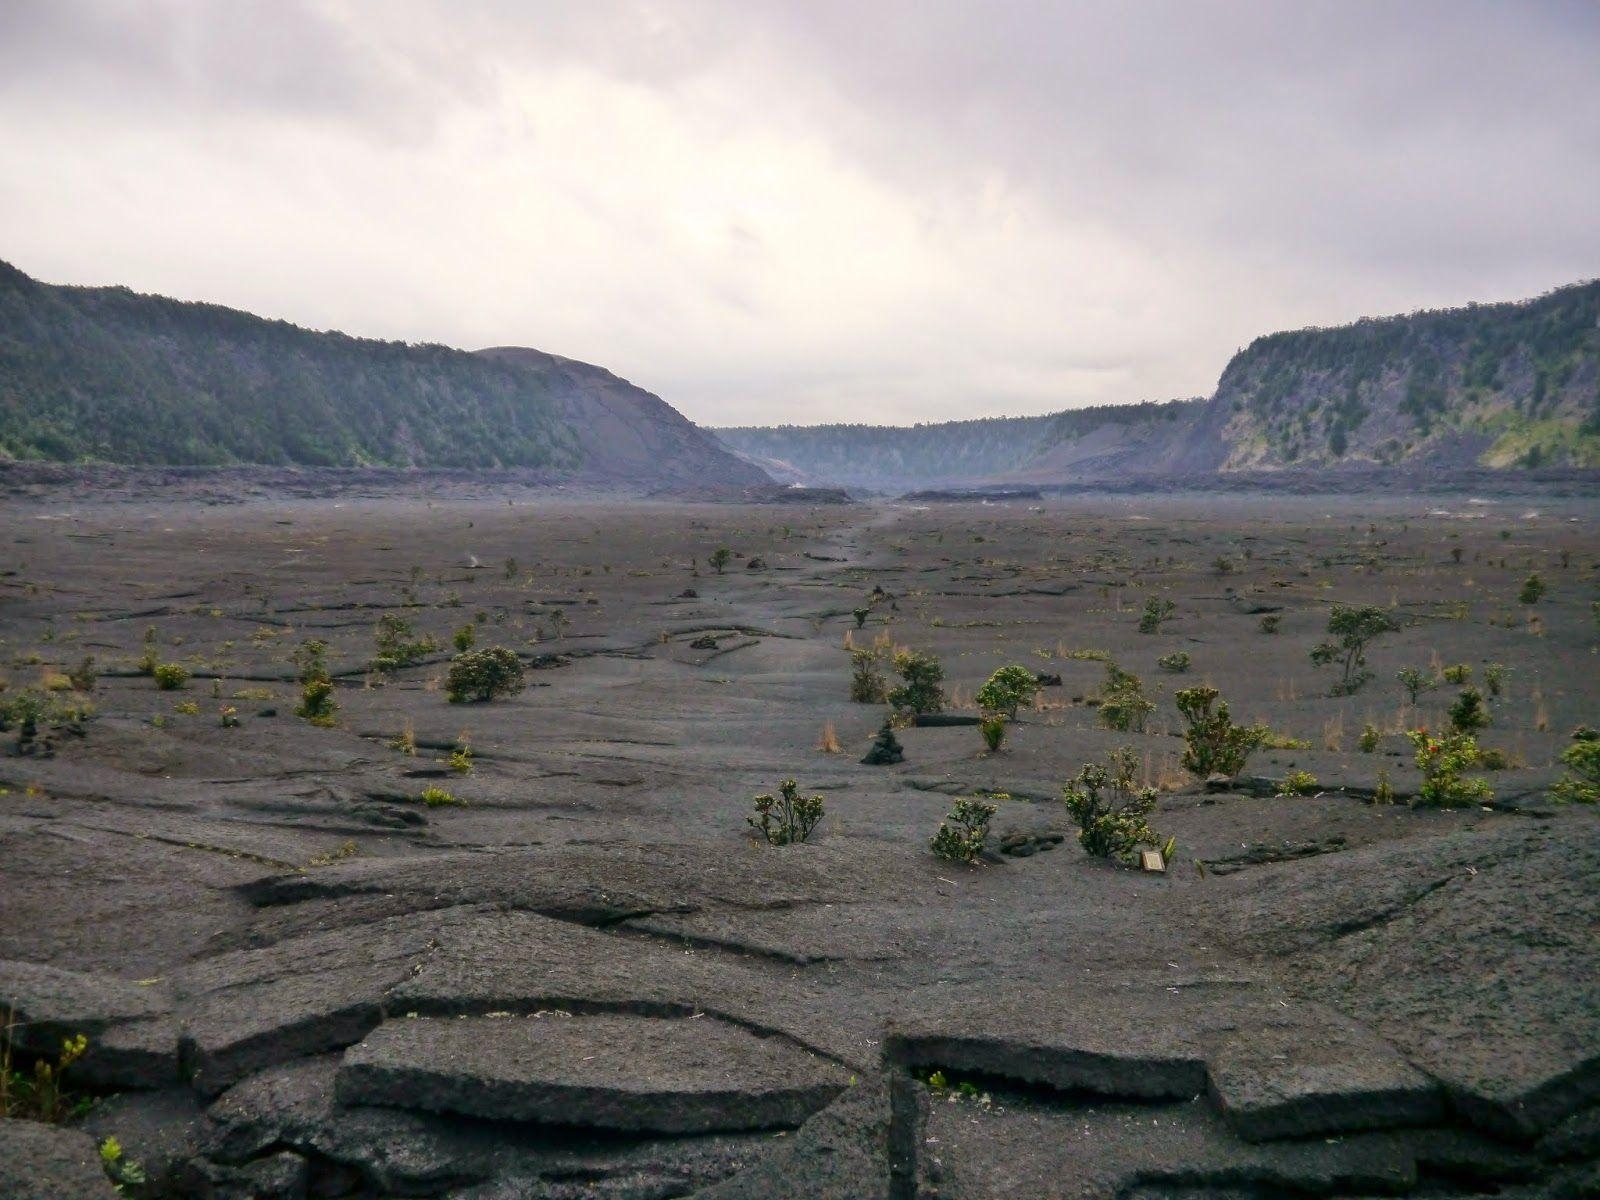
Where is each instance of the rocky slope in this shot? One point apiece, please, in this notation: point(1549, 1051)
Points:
point(1498, 386)
point(104, 374)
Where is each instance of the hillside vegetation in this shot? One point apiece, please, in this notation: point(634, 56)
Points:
point(1501, 385)
point(107, 375)
point(1495, 385)
point(887, 456)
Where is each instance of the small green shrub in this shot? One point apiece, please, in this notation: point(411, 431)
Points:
point(437, 797)
point(123, 1171)
point(867, 684)
point(37, 1094)
point(1214, 744)
point(1270, 622)
point(1494, 677)
point(1581, 784)
point(464, 638)
point(1157, 611)
point(1123, 704)
point(1111, 810)
point(1442, 760)
point(1456, 673)
point(398, 645)
point(922, 690)
point(1368, 741)
point(787, 817)
point(310, 659)
point(962, 834)
point(993, 730)
point(317, 704)
point(480, 675)
point(461, 756)
point(83, 676)
point(1177, 662)
point(1533, 590)
point(720, 558)
point(170, 677)
point(1007, 690)
point(1415, 682)
point(1469, 714)
point(1355, 629)
point(1384, 792)
point(861, 615)
point(1298, 783)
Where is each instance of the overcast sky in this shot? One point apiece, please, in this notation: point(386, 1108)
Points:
point(811, 211)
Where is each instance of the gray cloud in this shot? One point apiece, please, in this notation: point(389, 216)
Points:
point(810, 211)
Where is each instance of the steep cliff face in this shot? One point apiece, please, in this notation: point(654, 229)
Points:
point(1499, 385)
point(627, 432)
point(106, 375)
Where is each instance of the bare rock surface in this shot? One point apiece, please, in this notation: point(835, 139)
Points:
point(42, 1162)
point(578, 974)
point(603, 1072)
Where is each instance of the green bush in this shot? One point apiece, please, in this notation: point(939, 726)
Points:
point(83, 676)
point(1157, 610)
point(867, 685)
point(1368, 741)
point(310, 658)
point(1533, 590)
point(787, 817)
point(922, 690)
point(1442, 760)
point(1214, 744)
point(1177, 662)
point(479, 675)
point(464, 638)
point(1123, 704)
point(1494, 677)
point(1354, 629)
point(1007, 690)
point(1456, 673)
point(1415, 682)
point(1270, 622)
point(1581, 785)
point(861, 615)
point(170, 677)
point(992, 728)
point(1469, 713)
point(437, 797)
point(720, 558)
point(1298, 783)
point(316, 702)
point(398, 645)
point(961, 835)
point(1111, 810)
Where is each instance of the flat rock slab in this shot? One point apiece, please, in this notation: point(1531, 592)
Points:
point(132, 1041)
point(1274, 1068)
point(1299, 1081)
point(636, 1074)
point(46, 1162)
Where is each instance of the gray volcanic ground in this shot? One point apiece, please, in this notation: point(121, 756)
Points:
point(589, 979)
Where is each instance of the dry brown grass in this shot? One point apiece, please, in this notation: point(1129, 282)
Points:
point(1333, 732)
point(828, 743)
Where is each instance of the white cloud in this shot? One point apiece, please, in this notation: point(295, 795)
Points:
point(773, 213)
